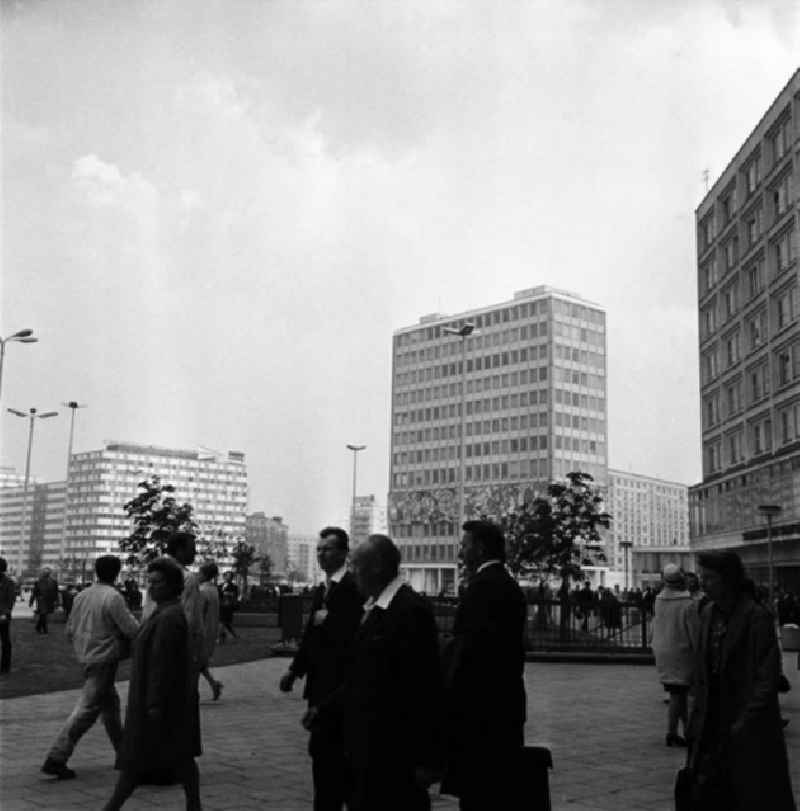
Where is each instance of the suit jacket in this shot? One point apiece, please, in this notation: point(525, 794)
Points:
point(326, 651)
point(485, 690)
point(746, 703)
point(393, 696)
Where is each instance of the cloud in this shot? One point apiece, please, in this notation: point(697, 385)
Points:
point(104, 184)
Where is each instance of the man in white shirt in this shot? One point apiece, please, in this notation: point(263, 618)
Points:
point(101, 629)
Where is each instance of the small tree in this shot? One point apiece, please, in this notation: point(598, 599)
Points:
point(156, 516)
point(264, 570)
point(550, 534)
point(244, 556)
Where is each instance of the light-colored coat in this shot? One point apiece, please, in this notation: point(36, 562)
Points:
point(676, 627)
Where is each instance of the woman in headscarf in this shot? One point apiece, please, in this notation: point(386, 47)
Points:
point(162, 725)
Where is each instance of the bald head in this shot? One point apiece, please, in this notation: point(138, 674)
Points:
point(375, 563)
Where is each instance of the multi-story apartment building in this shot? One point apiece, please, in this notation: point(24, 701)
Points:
point(367, 518)
point(270, 536)
point(10, 478)
point(303, 566)
point(532, 380)
point(101, 482)
point(749, 306)
point(650, 527)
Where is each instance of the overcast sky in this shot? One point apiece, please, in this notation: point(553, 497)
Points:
point(215, 214)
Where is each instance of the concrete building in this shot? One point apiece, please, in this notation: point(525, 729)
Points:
point(303, 566)
point(270, 536)
point(10, 478)
point(748, 304)
point(653, 516)
point(368, 518)
point(533, 381)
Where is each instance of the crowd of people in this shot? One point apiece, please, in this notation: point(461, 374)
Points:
point(390, 709)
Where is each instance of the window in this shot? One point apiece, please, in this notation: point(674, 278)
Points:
point(708, 320)
point(710, 368)
point(755, 279)
point(727, 207)
point(706, 231)
point(735, 454)
point(732, 350)
point(753, 228)
point(759, 383)
point(712, 457)
point(761, 436)
point(757, 330)
point(752, 174)
point(786, 307)
point(708, 275)
point(731, 252)
point(781, 196)
point(787, 424)
point(782, 252)
point(733, 397)
point(780, 140)
point(712, 411)
point(729, 301)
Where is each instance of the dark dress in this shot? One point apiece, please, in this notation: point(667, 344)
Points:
point(161, 677)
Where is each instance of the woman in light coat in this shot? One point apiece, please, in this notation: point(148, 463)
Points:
point(676, 626)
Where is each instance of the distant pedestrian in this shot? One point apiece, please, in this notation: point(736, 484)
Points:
point(67, 600)
point(737, 755)
point(162, 727)
point(209, 596)
point(676, 625)
point(101, 629)
point(8, 597)
point(228, 603)
point(45, 597)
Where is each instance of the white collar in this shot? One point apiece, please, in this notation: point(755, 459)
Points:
point(337, 575)
point(384, 599)
point(487, 564)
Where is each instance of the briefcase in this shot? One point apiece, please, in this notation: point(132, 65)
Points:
point(535, 764)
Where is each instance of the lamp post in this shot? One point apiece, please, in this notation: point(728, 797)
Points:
point(355, 449)
point(73, 406)
point(625, 546)
point(24, 336)
point(32, 415)
point(770, 511)
point(463, 333)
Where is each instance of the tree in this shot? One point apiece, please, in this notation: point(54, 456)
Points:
point(554, 534)
point(264, 570)
point(156, 516)
point(244, 556)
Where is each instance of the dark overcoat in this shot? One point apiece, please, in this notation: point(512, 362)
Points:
point(749, 716)
point(162, 677)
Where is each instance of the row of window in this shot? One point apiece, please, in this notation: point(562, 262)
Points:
point(496, 471)
point(484, 363)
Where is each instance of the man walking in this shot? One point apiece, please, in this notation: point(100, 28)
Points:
point(8, 597)
point(100, 628)
point(393, 695)
point(324, 659)
point(485, 691)
point(45, 595)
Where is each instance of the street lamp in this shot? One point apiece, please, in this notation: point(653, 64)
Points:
point(24, 336)
point(355, 449)
point(463, 332)
point(73, 406)
point(770, 511)
point(625, 546)
point(32, 415)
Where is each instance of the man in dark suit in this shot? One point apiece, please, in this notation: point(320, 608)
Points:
point(324, 658)
point(485, 691)
point(393, 697)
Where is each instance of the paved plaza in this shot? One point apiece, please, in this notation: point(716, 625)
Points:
point(604, 724)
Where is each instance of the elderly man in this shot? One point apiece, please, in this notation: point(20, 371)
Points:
point(101, 629)
point(392, 700)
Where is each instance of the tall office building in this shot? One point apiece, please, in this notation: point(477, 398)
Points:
point(269, 535)
point(533, 385)
point(367, 518)
point(650, 527)
point(748, 302)
point(303, 566)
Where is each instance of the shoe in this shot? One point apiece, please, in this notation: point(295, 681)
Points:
point(59, 770)
point(216, 689)
point(675, 740)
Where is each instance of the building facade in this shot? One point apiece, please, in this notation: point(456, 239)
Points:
point(650, 527)
point(270, 536)
point(303, 566)
point(748, 304)
point(367, 518)
point(532, 381)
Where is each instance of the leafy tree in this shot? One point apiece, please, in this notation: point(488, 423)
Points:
point(244, 556)
point(264, 569)
point(553, 534)
point(156, 516)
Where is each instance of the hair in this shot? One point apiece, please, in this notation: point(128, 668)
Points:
point(178, 540)
point(107, 568)
point(3, 565)
point(728, 565)
point(489, 536)
point(209, 570)
point(172, 574)
point(387, 554)
point(341, 536)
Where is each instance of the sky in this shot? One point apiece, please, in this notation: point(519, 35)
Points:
point(215, 214)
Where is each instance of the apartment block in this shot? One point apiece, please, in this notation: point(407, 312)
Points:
point(368, 518)
point(749, 316)
point(270, 536)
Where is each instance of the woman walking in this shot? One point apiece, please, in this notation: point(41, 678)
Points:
point(209, 596)
point(162, 725)
point(228, 602)
point(675, 631)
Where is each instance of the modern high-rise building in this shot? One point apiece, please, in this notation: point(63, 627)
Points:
point(367, 518)
point(270, 536)
point(748, 303)
point(532, 380)
point(303, 566)
point(650, 527)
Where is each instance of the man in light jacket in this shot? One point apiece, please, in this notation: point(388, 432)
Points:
point(100, 628)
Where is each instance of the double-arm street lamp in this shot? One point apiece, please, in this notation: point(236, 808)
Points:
point(770, 511)
point(463, 332)
point(355, 449)
point(24, 336)
point(73, 406)
point(32, 415)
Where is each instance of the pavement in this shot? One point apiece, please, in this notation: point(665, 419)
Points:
point(605, 725)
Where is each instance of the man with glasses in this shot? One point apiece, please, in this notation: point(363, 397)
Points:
point(324, 658)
